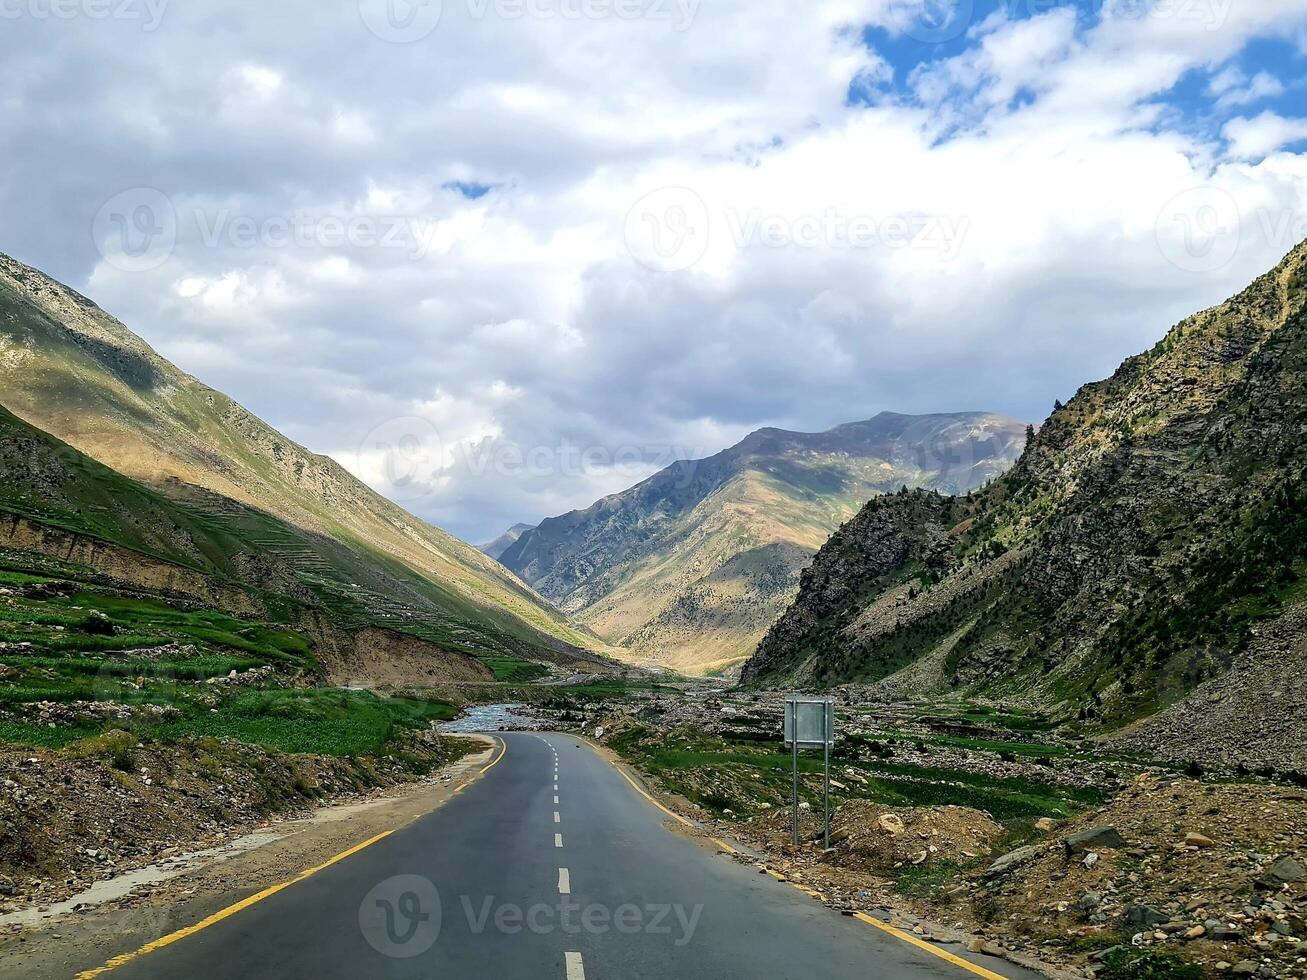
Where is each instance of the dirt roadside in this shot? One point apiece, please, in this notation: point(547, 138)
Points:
point(61, 943)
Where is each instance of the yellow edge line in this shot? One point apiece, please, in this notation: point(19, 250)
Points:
point(671, 813)
point(254, 899)
point(943, 954)
point(503, 751)
point(907, 937)
point(226, 913)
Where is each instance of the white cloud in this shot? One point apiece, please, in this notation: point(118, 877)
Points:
point(1233, 88)
point(1260, 136)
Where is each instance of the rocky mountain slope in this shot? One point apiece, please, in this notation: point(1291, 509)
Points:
point(687, 568)
point(1146, 553)
point(208, 487)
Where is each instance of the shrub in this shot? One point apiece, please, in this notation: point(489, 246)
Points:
point(1129, 964)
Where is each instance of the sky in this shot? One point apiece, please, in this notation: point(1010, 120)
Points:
point(502, 257)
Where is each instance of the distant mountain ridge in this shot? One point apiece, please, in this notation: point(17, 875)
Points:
point(505, 541)
point(75, 373)
point(1141, 568)
point(688, 568)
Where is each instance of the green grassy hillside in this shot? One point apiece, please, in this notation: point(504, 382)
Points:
point(244, 500)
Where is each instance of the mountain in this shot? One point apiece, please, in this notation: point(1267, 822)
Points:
point(505, 541)
point(205, 471)
point(689, 567)
point(1141, 566)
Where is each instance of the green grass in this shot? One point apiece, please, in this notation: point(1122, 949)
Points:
point(765, 772)
point(65, 663)
point(514, 670)
point(322, 721)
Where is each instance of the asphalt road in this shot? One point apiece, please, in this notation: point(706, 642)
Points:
point(551, 865)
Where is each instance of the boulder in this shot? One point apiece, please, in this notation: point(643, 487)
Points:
point(1012, 859)
point(1092, 839)
point(1146, 916)
point(1282, 871)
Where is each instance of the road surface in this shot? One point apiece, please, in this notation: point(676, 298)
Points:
point(550, 865)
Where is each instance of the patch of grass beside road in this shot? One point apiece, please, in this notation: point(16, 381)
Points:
point(739, 773)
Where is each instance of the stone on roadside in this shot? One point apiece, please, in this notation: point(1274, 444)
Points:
point(1193, 839)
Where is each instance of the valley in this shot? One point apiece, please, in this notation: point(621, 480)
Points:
point(685, 569)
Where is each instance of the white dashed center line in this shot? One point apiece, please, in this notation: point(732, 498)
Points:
point(555, 799)
point(564, 882)
point(558, 818)
point(575, 968)
point(558, 840)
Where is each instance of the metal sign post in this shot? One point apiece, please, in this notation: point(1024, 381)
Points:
point(809, 723)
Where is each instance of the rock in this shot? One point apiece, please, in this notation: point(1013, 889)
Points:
point(1091, 900)
point(6, 886)
point(1095, 837)
point(1283, 871)
point(1012, 859)
point(1090, 860)
point(891, 823)
point(1103, 954)
point(1045, 824)
point(1146, 916)
point(1192, 839)
point(975, 945)
point(1197, 932)
point(1245, 968)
